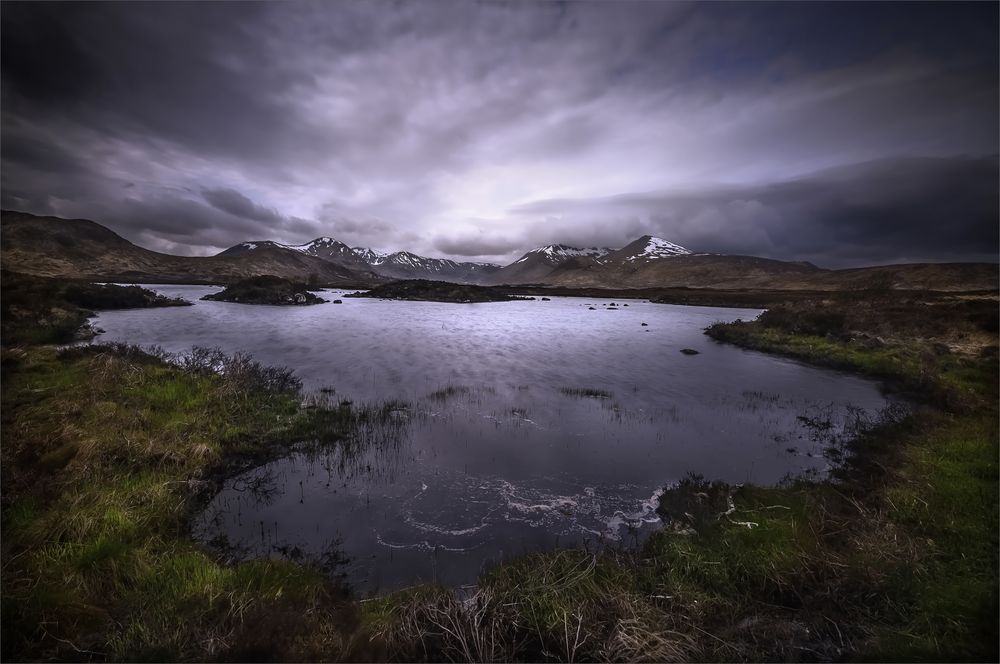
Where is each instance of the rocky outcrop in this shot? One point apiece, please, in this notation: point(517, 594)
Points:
point(266, 289)
point(113, 296)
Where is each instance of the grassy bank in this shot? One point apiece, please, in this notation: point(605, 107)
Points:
point(107, 450)
point(894, 558)
point(930, 480)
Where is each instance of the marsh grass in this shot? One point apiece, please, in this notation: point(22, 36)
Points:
point(446, 393)
point(923, 487)
point(105, 450)
point(586, 393)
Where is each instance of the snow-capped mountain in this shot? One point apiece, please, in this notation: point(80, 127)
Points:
point(648, 248)
point(244, 247)
point(536, 264)
point(396, 265)
point(557, 253)
point(407, 265)
point(371, 256)
point(541, 265)
point(321, 246)
point(326, 248)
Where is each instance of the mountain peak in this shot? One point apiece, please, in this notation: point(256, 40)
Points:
point(649, 247)
point(557, 253)
point(322, 242)
point(371, 256)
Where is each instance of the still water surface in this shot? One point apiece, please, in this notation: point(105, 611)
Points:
point(495, 450)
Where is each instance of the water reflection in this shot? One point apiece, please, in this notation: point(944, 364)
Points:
point(511, 426)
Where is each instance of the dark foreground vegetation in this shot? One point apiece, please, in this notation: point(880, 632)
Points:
point(915, 509)
point(266, 289)
point(436, 291)
point(42, 310)
point(108, 449)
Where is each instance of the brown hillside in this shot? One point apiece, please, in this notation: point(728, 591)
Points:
point(83, 249)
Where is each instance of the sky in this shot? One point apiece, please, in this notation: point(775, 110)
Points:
point(843, 134)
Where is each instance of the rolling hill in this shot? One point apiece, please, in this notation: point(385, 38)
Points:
point(83, 249)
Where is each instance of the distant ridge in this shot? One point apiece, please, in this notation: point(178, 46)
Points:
point(84, 249)
point(79, 248)
point(326, 248)
point(537, 264)
point(396, 265)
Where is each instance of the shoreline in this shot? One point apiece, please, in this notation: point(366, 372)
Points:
point(727, 591)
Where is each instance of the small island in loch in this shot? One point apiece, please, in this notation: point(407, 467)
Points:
point(437, 291)
point(266, 289)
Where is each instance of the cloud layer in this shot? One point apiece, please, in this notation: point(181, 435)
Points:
point(838, 133)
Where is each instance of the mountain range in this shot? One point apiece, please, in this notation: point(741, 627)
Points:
point(395, 265)
point(79, 248)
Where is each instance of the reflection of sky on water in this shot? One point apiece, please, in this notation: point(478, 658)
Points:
point(491, 456)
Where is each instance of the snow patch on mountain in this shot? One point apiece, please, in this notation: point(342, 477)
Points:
point(657, 247)
point(560, 252)
point(406, 259)
point(371, 256)
point(307, 248)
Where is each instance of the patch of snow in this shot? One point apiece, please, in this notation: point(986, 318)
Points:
point(371, 256)
point(314, 246)
point(659, 248)
point(558, 252)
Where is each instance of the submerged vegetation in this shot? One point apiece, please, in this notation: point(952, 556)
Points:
point(586, 392)
point(107, 450)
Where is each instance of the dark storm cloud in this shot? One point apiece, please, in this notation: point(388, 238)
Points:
point(480, 245)
point(887, 210)
point(431, 126)
point(172, 71)
point(236, 204)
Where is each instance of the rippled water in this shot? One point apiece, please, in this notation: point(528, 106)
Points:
point(525, 425)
